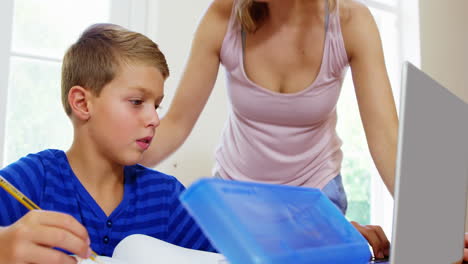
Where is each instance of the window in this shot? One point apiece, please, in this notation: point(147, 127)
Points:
point(369, 200)
point(38, 34)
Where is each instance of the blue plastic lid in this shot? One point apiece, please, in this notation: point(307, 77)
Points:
point(253, 223)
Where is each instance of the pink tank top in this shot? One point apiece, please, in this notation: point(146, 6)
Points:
point(282, 138)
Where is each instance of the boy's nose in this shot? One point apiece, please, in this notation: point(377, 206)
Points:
point(153, 119)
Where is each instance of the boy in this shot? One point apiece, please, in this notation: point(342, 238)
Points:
point(94, 194)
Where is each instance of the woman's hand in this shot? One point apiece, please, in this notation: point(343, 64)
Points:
point(376, 238)
point(465, 250)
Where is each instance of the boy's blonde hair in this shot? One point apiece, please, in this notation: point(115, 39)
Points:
point(251, 14)
point(95, 59)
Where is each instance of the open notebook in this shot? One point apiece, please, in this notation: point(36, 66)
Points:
point(143, 249)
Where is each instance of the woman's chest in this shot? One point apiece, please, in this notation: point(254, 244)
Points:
point(284, 63)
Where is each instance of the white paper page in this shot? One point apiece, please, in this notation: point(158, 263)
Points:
point(141, 249)
point(100, 260)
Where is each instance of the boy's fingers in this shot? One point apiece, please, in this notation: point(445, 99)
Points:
point(63, 221)
point(51, 236)
point(44, 255)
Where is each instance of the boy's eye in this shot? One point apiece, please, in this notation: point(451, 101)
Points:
point(136, 102)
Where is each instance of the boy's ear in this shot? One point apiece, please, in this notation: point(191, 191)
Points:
point(78, 98)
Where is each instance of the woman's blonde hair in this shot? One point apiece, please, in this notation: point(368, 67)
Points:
point(251, 14)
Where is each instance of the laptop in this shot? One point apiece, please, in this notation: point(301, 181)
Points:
point(431, 173)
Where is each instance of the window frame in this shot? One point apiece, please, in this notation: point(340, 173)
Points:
point(6, 21)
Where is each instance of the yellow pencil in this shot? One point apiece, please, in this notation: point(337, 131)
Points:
point(28, 203)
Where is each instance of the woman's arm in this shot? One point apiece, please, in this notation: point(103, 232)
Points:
point(373, 91)
point(195, 86)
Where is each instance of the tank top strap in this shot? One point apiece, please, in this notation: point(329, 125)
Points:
point(337, 56)
point(231, 48)
point(233, 19)
point(327, 15)
point(334, 20)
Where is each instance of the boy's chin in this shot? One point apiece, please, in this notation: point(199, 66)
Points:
point(131, 160)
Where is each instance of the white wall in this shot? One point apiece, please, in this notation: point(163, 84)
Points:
point(177, 21)
point(444, 44)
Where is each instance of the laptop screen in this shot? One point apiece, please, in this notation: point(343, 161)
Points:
point(431, 173)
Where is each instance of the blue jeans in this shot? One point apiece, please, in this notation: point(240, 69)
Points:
point(334, 190)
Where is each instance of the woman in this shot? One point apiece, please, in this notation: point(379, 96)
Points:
point(285, 62)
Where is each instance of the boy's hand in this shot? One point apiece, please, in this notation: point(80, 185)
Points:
point(32, 238)
point(465, 250)
point(376, 238)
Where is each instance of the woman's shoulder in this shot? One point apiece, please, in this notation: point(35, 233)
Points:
point(221, 9)
point(357, 26)
point(353, 12)
point(214, 25)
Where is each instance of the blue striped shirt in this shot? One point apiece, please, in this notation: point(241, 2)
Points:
point(150, 203)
